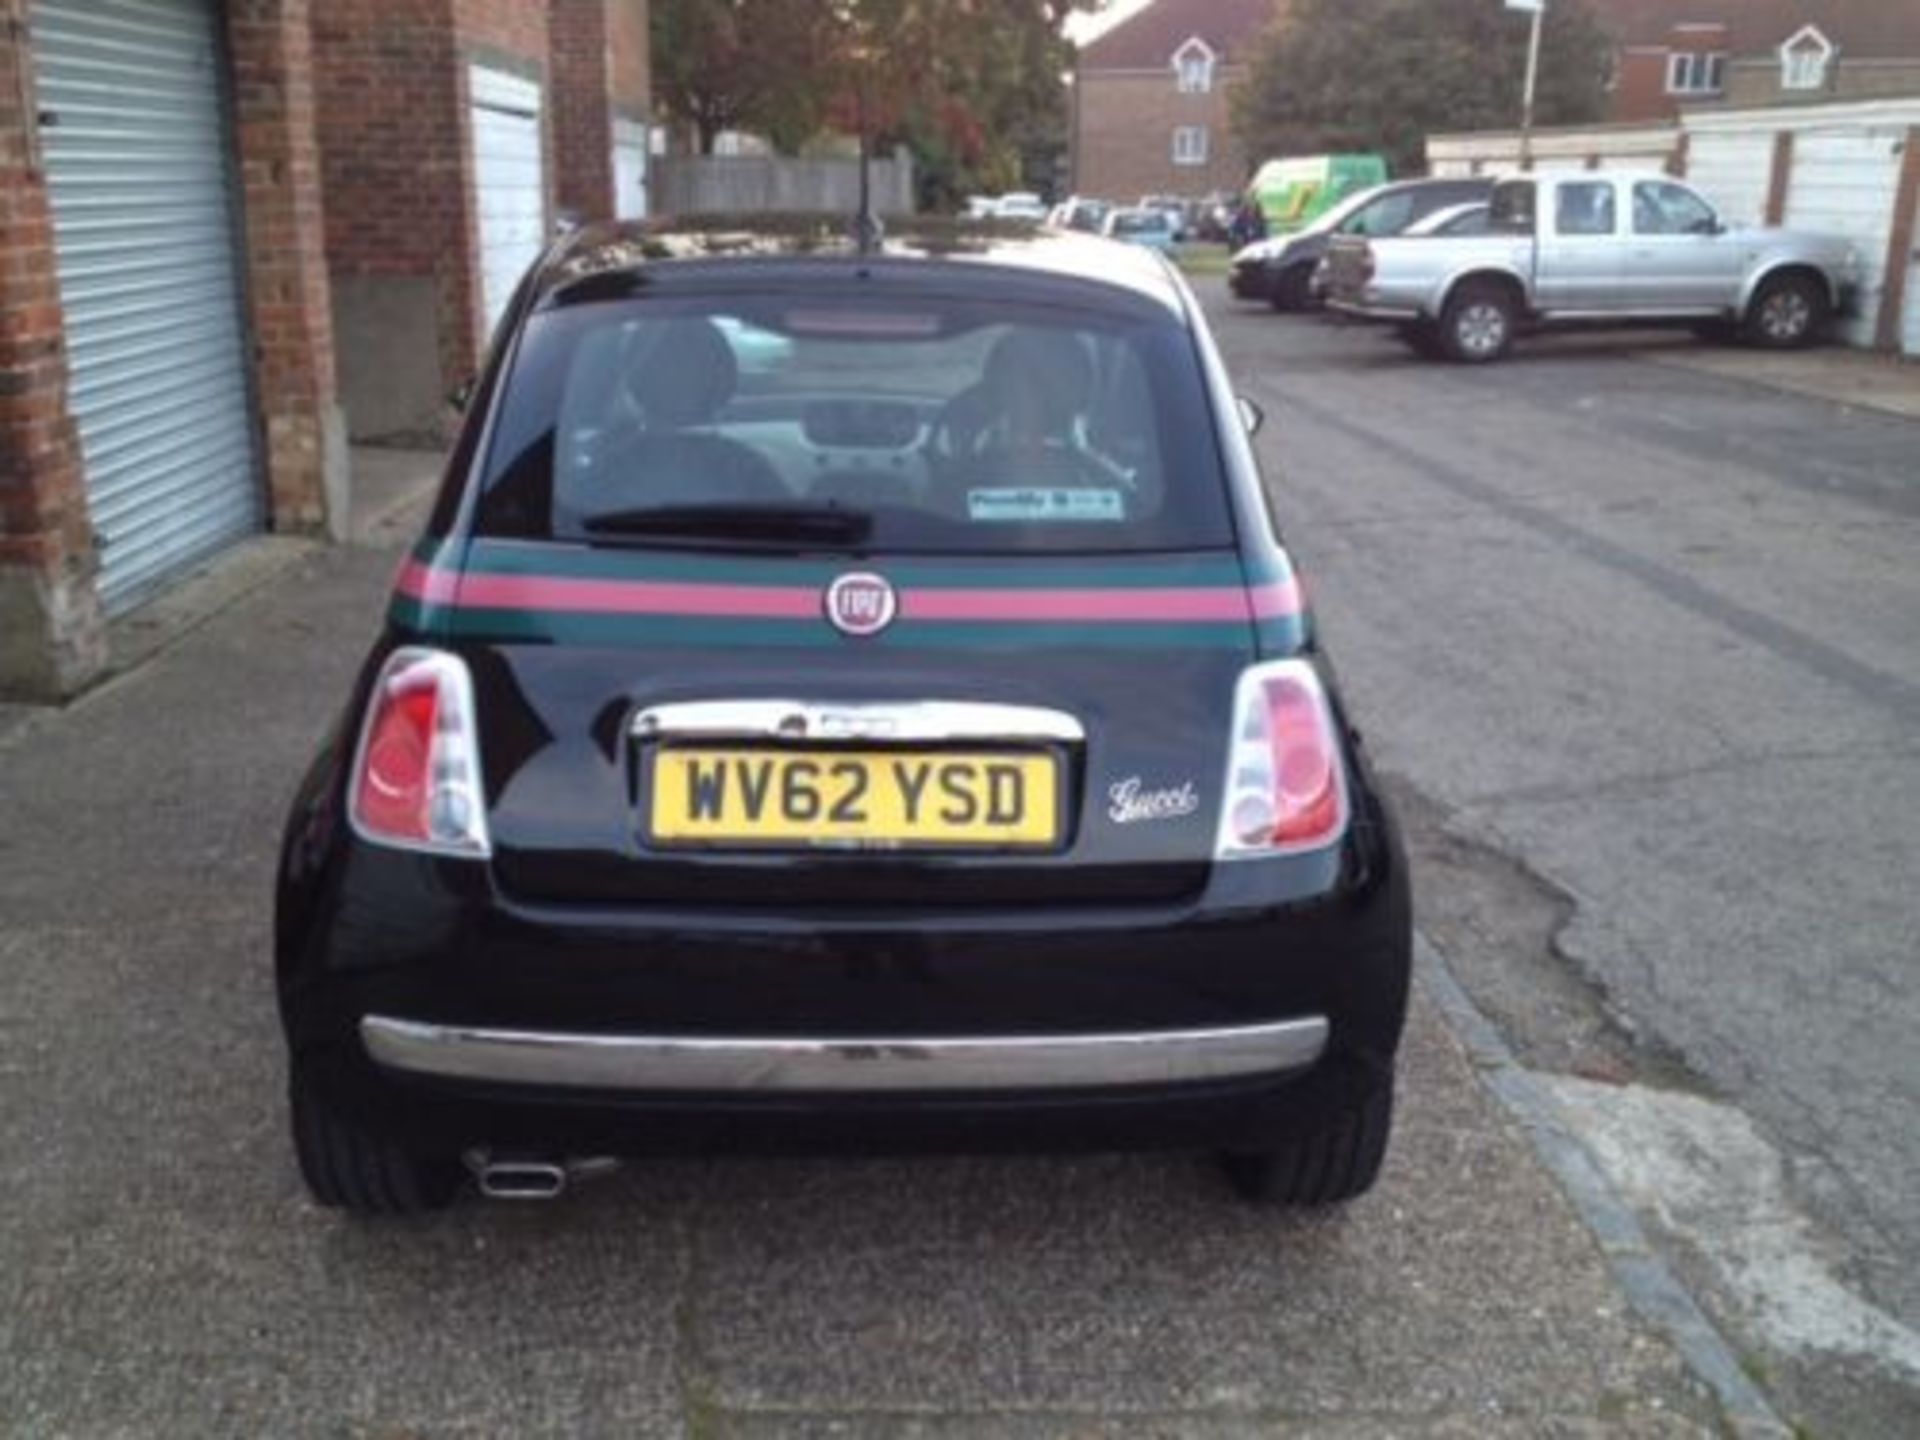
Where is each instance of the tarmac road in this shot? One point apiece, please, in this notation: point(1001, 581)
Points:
point(162, 1273)
point(1642, 647)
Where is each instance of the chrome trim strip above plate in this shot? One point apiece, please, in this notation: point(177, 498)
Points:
point(920, 720)
point(870, 1064)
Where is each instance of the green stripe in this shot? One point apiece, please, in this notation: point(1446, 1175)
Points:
point(550, 627)
point(1280, 635)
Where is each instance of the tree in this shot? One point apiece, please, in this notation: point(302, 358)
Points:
point(973, 88)
point(754, 65)
point(1382, 75)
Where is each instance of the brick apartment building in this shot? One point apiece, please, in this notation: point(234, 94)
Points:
point(220, 220)
point(1675, 54)
point(1151, 99)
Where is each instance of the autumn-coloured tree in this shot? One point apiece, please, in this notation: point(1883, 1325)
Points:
point(972, 88)
point(1382, 75)
point(753, 65)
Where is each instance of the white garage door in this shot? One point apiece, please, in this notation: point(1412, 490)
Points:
point(1844, 181)
point(131, 95)
point(629, 170)
point(1734, 170)
point(510, 183)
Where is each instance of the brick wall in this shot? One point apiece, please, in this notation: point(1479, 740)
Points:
point(1123, 135)
point(52, 635)
point(270, 42)
point(631, 47)
point(598, 62)
point(1756, 81)
point(392, 136)
point(402, 237)
point(582, 117)
point(1640, 88)
point(513, 28)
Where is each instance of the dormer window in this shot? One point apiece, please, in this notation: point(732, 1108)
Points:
point(1193, 65)
point(1804, 60)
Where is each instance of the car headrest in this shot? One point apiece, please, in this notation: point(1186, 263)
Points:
point(1046, 368)
point(686, 375)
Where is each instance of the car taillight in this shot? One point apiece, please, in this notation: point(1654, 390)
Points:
point(416, 775)
point(1286, 787)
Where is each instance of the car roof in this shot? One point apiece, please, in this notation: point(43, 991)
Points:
point(1624, 177)
point(1430, 182)
point(623, 258)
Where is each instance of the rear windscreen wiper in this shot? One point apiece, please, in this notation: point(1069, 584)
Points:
point(828, 524)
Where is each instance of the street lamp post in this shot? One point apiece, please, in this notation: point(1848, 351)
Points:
point(1536, 10)
point(867, 230)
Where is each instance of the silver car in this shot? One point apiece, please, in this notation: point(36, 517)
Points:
point(1594, 248)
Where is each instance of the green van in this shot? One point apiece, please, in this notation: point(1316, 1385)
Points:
point(1292, 192)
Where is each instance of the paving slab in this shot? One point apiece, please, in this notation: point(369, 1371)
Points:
point(1858, 378)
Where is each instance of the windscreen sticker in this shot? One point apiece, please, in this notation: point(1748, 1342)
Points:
point(1074, 506)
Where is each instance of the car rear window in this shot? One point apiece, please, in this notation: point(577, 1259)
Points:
point(940, 425)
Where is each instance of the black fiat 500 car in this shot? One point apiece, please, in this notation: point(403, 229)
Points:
point(842, 700)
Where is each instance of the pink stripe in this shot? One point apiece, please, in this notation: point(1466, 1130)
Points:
point(1278, 599)
point(637, 597)
point(1104, 605)
point(427, 585)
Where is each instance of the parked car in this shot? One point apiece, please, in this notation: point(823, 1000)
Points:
point(981, 207)
point(1594, 248)
point(929, 749)
point(1454, 219)
point(1156, 229)
point(1179, 210)
point(1280, 270)
point(1295, 191)
point(1081, 213)
point(1020, 205)
point(1215, 219)
point(1467, 219)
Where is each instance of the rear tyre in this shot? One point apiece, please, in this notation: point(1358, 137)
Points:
point(1476, 327)
point(1293, 289)
point(1337, 1163)
point(1788, 312)
point(347, 1169)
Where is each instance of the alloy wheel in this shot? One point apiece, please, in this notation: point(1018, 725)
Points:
point(1481, 329)
point(1785, 315)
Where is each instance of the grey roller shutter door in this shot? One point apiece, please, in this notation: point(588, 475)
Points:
point(139, 165)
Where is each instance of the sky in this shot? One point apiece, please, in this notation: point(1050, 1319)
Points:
point(1083, 26)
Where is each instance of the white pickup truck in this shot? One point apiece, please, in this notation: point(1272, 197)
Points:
point(1594, 248)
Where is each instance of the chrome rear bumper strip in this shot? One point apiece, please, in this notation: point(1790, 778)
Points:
point(680, 1063)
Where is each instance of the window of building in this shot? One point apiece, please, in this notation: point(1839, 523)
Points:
point(1193, 64)
point(1695, 72)
point(1804, 60)
point(1190, 145)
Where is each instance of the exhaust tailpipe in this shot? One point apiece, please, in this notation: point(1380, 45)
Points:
point(530, 1177)
point(522, 1180)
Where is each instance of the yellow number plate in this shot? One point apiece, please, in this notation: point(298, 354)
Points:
point(774, 799)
